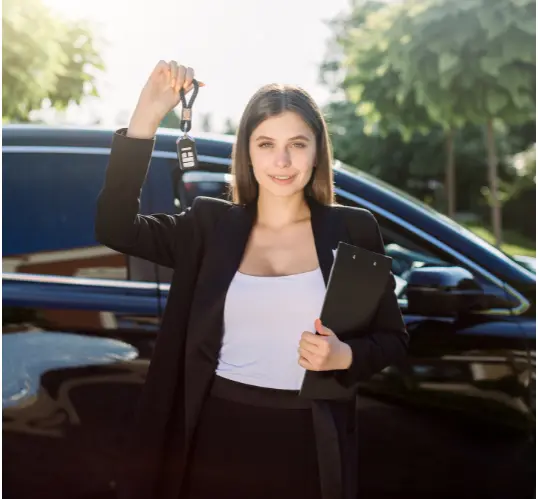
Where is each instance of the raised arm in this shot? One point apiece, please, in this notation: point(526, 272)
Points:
point(118, 223)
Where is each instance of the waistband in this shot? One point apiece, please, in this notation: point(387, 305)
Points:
point(259, 396)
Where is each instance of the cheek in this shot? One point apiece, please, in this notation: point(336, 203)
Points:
point(306, 162)
point(257, 163)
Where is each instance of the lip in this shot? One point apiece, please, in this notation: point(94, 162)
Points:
point(283, 181)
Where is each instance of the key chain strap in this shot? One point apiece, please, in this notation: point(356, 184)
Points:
point(186, 109)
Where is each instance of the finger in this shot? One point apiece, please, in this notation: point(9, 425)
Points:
point(189, 76)
point(308, 347)
point(321, 329)
point(304, 362)
point(181, 73)
point(161, 72)
point(313, 339)
point(161, 67)
point(313, 358)
point(320, 352)
point(307, 335)
point(173, 73)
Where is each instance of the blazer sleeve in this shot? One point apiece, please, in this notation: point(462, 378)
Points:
point(118, 223)
point(386, 342)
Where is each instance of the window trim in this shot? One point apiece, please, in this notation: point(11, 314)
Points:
point(105, 151)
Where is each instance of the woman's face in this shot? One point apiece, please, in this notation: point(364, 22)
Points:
point(283, 151)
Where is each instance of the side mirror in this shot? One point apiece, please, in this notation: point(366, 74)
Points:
point(447, 291)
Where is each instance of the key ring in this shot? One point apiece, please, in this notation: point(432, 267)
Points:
point(186, 146)
point(186, 109)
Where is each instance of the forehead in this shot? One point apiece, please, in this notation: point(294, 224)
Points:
point(287, 124)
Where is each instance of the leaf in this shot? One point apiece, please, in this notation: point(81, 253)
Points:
point(468, 4)
point(448, 61)
point(527, 24)
point(523, 3)
point(491, 64)
point(518, 46)
point(496, 101)
point(43, 58)
point(493, 21)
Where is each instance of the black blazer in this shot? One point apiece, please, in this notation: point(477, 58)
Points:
point(205, 245)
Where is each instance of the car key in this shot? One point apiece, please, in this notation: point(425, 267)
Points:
point(186, 147)
point(186, 153)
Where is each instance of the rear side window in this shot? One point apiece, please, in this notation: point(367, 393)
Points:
point(49, 202)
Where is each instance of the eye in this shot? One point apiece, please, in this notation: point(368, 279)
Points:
point(300, 145)
point(265, 144)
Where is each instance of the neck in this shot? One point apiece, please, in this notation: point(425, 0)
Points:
point(278, 212)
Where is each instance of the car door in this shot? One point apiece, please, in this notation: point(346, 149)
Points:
point(77, 333)
point(462, 361)
point(459, 411)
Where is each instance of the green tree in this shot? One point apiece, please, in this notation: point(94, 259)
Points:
point(44, 58)
point(468, 61)
point(373, 84)
point(418, 63)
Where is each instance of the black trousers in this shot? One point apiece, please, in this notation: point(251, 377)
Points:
point(253, 443)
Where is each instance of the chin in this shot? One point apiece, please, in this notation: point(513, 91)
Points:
point(283, 191)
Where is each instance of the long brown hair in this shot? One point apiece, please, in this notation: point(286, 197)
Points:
point(272, 100)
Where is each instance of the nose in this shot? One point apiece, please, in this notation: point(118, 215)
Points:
point(283, 159)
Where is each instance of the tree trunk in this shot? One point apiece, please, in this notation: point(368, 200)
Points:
point(493, 185)
point(450, 174)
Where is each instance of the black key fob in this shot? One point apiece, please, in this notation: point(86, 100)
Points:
point(186, 153)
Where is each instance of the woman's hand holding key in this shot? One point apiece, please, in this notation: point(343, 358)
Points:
point(159, 96)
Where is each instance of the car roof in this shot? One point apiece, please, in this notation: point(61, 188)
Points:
point(210, 144)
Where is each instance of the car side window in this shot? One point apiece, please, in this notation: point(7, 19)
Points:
point(406, 249)
point(49, 202)
point(409, 250)
point(202, 182)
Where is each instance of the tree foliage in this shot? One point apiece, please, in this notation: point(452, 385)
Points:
point(44, 59)
point(418, 65)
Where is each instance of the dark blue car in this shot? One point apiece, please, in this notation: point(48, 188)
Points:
point(80, 322)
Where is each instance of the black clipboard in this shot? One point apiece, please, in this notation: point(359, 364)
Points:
point(356, 285)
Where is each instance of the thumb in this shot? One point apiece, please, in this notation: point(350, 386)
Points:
point(321, 329)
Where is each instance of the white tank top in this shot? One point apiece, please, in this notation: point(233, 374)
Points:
point(264, 318)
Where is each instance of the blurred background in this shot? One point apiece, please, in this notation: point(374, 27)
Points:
point(436, 97)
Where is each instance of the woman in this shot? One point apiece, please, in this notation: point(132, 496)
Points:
point(220, 415)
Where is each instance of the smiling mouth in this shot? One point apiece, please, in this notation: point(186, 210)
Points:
point(282, 177)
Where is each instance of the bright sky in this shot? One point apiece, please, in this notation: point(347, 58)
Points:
point(235, 46)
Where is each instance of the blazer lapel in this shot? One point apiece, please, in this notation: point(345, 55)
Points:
point(326, 227)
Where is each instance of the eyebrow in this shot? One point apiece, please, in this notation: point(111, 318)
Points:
point(297, 137)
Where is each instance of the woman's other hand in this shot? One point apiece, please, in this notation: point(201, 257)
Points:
point(323, 351)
